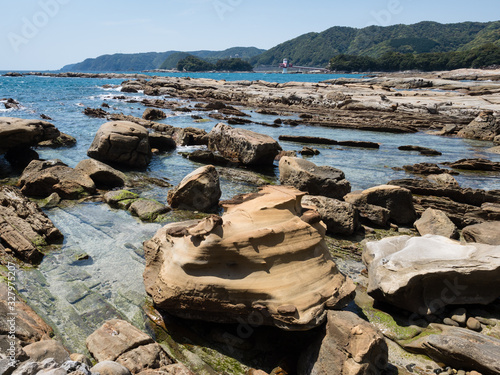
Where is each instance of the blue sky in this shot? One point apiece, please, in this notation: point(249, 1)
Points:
point(47, 34)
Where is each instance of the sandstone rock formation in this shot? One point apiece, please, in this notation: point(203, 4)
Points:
point(118, 342)
point(394, 198)
point(339, 217)
point(23, 226)
point(259, 260)
point(459, 348)
point(436, 222)
point(424, 274)
point(488, 233)
point(315, 180)
point(16, 132)
point(153, 114)
point(485, 127)
point(199, 190)
point(104, 176)
point(350, 346)
point(42, 178)
point(245, 146)
point(121, 142)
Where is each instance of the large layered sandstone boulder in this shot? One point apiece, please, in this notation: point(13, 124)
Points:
point(199, 190)
point(16, 132)
point(315, 180)
point(245, 146)
point(485, 127)
point(424, 274)
point(121, 142)
point(260, 260)
point(397, 200)
point(23, 226)
point(42, 178)
point(350, 346)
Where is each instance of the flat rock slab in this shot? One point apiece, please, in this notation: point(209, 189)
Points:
point(425, 274)
point(460, 348)
point(488, 233)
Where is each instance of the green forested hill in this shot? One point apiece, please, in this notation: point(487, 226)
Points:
point(316, 49)
point(154, 60)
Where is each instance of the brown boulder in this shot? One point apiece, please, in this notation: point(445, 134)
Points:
point(121, 142)
point(339, 217)
point(45, 349)
point(436, 222)
point(199, 190)
point(24, 226)
point(42, 178)
point(153, 114)
point(394, 198)
point(351, 345)
point(15, 132)
point(485, 127)
point(315, 180)
point(245, 146)
point(252, 262)
point(488, 233)
point(104, 176)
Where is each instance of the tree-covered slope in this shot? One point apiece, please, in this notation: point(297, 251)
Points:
point(155, 60)
point(316, 49)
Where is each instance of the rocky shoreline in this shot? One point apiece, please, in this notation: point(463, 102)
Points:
point(268, 262)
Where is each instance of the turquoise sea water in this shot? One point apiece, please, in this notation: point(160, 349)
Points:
point(76, 297)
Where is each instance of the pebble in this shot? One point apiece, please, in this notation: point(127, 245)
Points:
point(473, 324)
point(461, 372)
point(450, 322)
point(485, 321)
point(474, 373)
point(459, 315)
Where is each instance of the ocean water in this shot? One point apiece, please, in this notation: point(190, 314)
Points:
point(76, 297)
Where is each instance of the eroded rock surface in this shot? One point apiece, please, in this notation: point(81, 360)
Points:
point(245, 146)
point(16, 132)
point(259, 259)
point(315, 180)
point(23, 226)
point(424, 274)
point(121, 142)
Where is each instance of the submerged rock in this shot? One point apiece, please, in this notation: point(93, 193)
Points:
point(425, 274)
point(121, 142)
point(246, 146)
point(199, 190)
point(259, 261)
point(315, 180)
point(23, 226)
point(153, 114)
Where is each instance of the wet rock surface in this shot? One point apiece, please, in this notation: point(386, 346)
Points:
point(23, 227)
